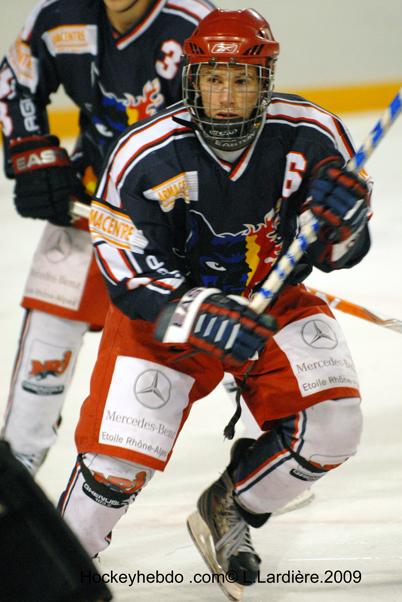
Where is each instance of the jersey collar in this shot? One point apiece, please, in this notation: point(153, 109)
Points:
point(139, 28)
point(236, 169)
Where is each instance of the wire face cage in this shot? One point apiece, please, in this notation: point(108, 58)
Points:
point(227, 100)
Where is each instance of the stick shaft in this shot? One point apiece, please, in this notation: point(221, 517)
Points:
point(78, 209)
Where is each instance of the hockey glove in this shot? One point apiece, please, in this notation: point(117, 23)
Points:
point(339, 199)
point(220, 325)
point(44, 179)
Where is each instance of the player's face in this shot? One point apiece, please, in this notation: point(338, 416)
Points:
point(228, 92)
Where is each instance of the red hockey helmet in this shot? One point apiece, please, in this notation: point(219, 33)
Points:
point(241, 36)
point(231, 39)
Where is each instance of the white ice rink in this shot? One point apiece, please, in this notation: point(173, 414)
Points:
point(355, 522)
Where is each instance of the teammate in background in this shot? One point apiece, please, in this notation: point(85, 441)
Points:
point(119, 62)
point(204, 198)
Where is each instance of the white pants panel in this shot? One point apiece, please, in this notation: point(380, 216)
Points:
point(327, 435)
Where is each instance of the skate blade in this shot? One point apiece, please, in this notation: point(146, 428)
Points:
point(202, 538)
point(301, 500)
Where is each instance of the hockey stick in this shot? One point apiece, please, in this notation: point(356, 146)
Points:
point(309, 224)
point(78, 209)
point(357, 310)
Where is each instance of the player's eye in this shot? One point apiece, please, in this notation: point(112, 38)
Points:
point(215, 266)
point(212, 79)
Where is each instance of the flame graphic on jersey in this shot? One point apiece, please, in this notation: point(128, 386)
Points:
point(262, 250)
point(140, 107)
point(121, 112)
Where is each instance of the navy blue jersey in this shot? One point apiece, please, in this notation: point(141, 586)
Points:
point(171, 214)
point(114, 79)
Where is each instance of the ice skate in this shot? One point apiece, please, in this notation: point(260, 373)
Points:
point(223, 539)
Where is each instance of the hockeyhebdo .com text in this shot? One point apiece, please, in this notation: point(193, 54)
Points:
point(156, 577)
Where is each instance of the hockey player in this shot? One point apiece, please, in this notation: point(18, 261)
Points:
point(119, 62)
point(193, 209)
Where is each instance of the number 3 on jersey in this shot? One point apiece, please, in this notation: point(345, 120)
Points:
point(172, 51)
point(295, 168)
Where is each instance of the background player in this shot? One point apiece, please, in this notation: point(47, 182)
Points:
point(119, 62)
point(206, 197)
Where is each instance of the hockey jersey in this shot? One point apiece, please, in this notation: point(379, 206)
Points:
point(115, 80)
point(171, 214)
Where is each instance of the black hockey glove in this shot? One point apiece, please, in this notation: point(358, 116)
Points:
point(44, 179)
point(339, 199)
point(216, 324)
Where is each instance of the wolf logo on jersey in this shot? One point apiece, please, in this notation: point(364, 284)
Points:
point(250, 253)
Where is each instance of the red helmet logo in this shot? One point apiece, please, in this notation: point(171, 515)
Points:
point(225, 47)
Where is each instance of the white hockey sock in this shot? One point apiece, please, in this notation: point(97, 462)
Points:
point(99, 492)
point(45, 362)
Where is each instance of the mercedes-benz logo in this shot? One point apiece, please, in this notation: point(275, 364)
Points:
point(58, 246)
point(152, 389)
point(318, 334)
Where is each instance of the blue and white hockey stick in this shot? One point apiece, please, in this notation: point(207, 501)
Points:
point(309, 224)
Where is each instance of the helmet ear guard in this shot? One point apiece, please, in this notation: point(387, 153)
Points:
point(241, 38)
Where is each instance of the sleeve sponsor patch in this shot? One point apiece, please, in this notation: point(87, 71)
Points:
point(183, 186)
point(24, 65)
point(71, 39)
point(114, 227)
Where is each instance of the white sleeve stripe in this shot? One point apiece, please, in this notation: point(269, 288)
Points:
point(32, 18)
point(342, 150)
point(102, 269)
point(310, 114)
point(132, 261)
point(151, 150)
point(175, 110)
point(149, 138)
point(113, 263)
point(158, 290)
point(137, 282)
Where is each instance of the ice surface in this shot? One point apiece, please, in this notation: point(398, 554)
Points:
point(354, 524)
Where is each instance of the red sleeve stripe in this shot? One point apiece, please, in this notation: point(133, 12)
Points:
point(163, 284)
point(127, 262)
point(103, 265)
